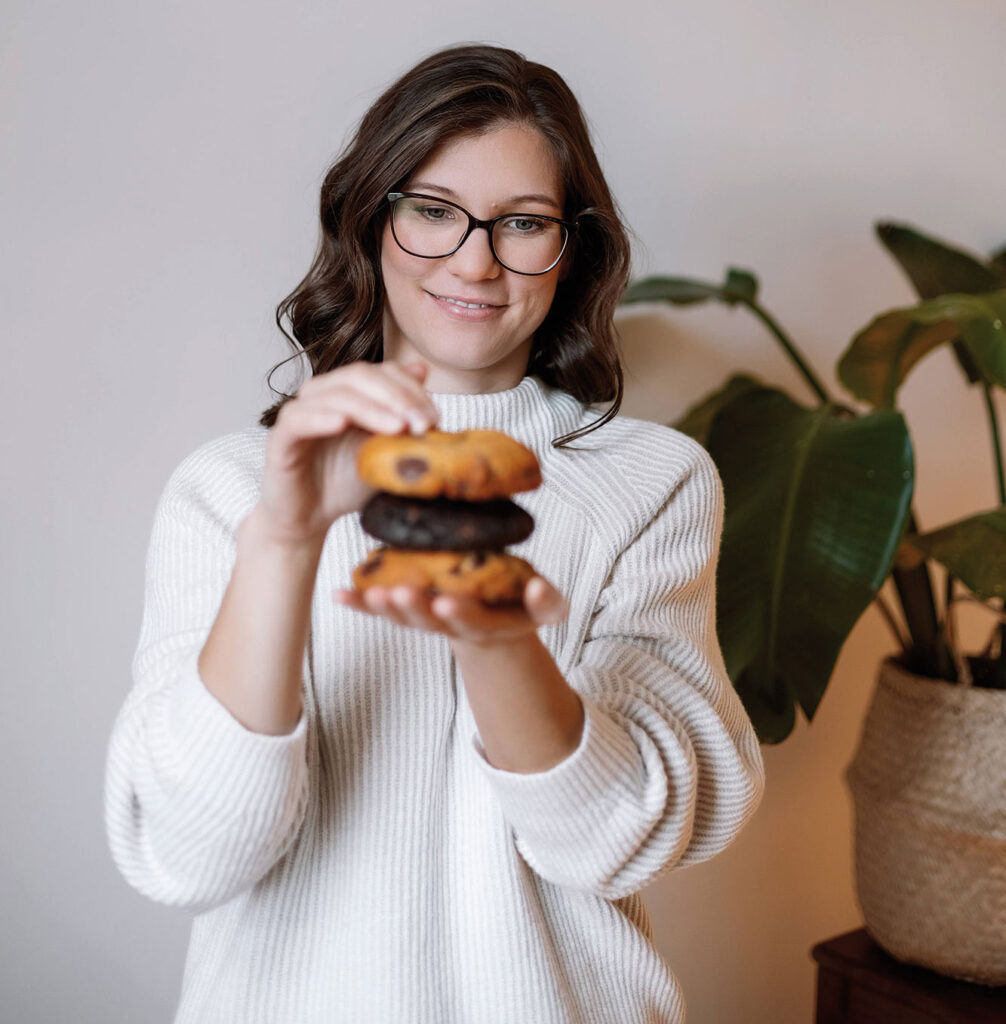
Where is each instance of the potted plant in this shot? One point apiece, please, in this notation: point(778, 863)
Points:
point(818, 516)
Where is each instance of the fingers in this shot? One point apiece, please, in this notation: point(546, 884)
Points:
point(415, 369)
point(409, 607)
point(394, 390)
point(393, 384)
point(468, 619)
point(404, 605)
point(381, 398)
point(460, 617)
point(545, 605)
point(313, 418)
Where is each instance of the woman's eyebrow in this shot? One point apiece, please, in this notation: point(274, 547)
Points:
point(528, 197)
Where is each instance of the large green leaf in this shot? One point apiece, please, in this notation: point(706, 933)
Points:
point(881, 355)
point(935, 268)
point(997, 261)
point(973, 550)
point(698, 420)
point(816, 502)
point(739, 286)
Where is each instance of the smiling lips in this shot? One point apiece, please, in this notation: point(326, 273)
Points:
point(467, 303)
point(461, 309)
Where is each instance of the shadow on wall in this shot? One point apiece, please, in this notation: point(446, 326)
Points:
point(670, 364)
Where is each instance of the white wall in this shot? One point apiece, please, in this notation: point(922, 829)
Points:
point(161, 164)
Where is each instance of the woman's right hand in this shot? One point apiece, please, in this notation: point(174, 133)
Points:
point(310, 460)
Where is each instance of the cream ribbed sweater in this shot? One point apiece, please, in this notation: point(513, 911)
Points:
point(373, 867)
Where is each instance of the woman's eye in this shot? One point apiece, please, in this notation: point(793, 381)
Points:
point(524, 225)
point(434, 212)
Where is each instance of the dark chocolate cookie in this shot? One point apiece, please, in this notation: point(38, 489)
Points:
point(441, 524)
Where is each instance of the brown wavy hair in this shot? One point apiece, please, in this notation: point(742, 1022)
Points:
point(336, 312)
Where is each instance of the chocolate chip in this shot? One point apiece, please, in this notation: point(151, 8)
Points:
point(476, 558)
point(411, 467)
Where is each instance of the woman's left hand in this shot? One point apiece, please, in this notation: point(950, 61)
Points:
point(458, 617)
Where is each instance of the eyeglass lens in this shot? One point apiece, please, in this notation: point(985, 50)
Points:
point(523, 243)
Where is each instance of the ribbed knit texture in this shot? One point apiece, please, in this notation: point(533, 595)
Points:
point(373, 867)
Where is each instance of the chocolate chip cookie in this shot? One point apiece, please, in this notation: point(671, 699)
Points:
point(473, 465)
point(492, 577)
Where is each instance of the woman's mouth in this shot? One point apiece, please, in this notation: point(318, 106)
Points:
point(460, 309)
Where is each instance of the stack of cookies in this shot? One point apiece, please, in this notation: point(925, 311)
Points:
point(443, 512)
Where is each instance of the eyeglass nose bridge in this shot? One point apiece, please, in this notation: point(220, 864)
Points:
point(473, 223)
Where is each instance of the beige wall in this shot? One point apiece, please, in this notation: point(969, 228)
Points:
point(160, 172)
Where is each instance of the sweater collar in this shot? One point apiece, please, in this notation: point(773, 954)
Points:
point(532, 412)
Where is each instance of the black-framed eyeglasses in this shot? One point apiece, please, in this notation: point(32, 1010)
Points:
point(432, 228)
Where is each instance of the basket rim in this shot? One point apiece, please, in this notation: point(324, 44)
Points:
point(893, 675)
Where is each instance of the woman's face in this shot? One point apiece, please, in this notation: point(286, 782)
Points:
point(472, 351)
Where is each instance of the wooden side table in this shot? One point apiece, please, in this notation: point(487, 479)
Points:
point(858, 983)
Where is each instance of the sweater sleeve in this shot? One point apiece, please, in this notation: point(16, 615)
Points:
point(668, 769)
point(197, 807)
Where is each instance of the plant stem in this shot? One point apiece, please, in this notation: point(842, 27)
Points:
point(1001, 480)
point(948, 613)
point(930, 655)
point(885, 610)
point(994, 425)
point(789, 348)
point(960, 662)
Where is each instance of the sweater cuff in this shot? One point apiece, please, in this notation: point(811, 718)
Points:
point(575, 801)
point(229, 766)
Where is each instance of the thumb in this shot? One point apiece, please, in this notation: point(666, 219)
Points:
point(545, 604)
point(417, 369)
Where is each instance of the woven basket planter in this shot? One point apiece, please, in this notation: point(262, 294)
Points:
point(928, 783)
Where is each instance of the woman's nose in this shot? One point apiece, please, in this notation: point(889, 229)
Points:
point(475, 257)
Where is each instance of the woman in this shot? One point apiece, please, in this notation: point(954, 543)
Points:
point(393, 808)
